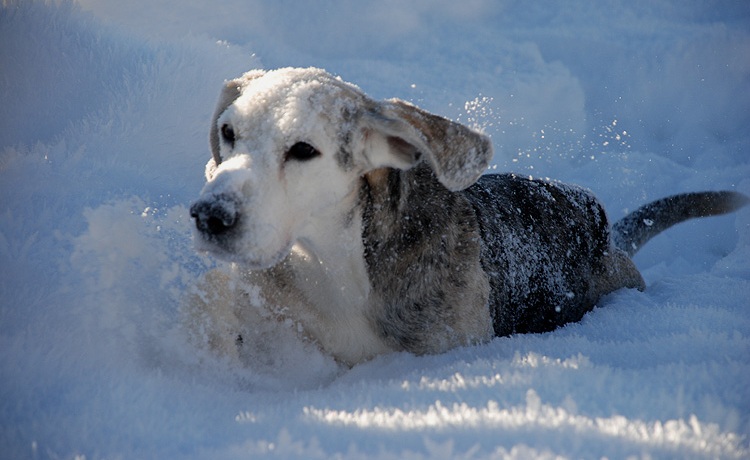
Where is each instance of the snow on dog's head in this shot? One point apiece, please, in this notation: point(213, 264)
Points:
point(289, 148)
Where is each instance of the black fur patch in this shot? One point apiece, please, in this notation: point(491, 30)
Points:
point(542, 244)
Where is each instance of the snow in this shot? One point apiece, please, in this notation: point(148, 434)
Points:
point(104, 109)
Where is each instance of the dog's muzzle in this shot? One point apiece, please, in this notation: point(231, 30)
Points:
point(215, 215)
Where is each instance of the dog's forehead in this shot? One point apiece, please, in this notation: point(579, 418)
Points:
point(293, 101)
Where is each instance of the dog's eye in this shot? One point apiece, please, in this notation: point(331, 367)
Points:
point(301, 151)
point(227, 133)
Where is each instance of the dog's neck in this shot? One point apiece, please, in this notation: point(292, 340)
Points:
point(331, 274)
point(332, 266)
point(334, 251)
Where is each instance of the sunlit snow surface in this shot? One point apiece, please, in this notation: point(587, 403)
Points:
point(103, 140)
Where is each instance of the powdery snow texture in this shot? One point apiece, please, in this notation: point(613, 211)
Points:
point(104, 110)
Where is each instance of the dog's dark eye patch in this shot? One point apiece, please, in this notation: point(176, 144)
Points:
point(301, 151)
point(227, 133)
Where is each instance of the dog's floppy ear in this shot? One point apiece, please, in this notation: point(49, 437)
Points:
point(399, 134)
point(229, 92)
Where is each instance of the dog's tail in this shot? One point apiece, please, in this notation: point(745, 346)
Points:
point(633, 231)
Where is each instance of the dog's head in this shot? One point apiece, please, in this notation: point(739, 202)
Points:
point(289, 148)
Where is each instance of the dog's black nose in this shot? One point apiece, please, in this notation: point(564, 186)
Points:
point(216, 215)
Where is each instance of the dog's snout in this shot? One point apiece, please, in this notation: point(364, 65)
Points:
point(215, 216)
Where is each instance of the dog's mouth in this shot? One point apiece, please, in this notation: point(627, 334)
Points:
point(231, 250)
point(251, 260)
point(265, 262)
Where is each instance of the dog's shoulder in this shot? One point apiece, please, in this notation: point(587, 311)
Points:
point(422, 247)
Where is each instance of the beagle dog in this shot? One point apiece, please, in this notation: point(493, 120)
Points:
point(370, 225)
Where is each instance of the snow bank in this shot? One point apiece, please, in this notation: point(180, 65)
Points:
point(103, 140)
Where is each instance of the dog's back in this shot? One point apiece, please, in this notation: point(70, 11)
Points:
point(546, 250)
point(550, 253)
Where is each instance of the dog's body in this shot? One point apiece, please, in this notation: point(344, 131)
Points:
point(364, 222)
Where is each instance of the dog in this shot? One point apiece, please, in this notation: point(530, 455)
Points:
point(369, 223)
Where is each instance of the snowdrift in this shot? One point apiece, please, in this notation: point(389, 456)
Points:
point(103, 139)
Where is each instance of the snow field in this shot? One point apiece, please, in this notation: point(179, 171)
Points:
point(103, 140)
